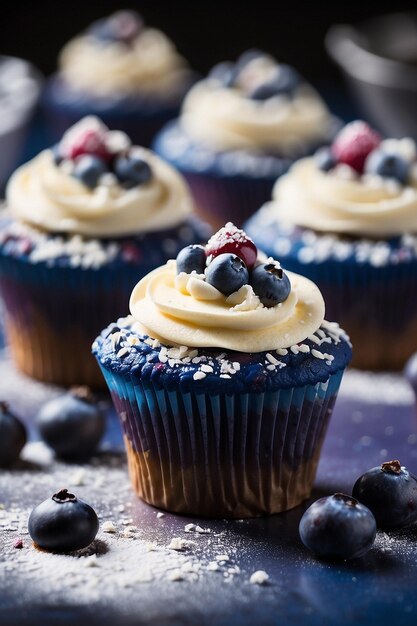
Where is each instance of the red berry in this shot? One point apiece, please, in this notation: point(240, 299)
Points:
point(86, 137)
point(353, 144)
point(231, 239)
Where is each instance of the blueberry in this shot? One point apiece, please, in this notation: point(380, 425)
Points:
point(390, 492)
point(224, 73)
point(132, 170)
point(191, 259)
point(228, 273)
point(270, 283)
point(324, 159)
point(63, 523)
point(12, 436)
point(72, 424)
point(338, 527)
point(285, 81)
point(387, 165)
point(56, 154)
point(88, 169)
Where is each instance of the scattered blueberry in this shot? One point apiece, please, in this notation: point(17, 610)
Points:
point(123, 26)
point(285, 81)
point(270, 283)
point(88, 169)
point(324, 159)
point(338, 527)
point(12, 436)
point(191, 259)
point(132, 170)
point(72, 424)
point(228, 273)
point(224, 73)
point(63, 523)
point(387, 165)
point(390, 492)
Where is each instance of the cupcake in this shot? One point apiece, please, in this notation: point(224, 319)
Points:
point(239, 130)
point(347, 219)
point(83, 221)
point(128, 74)
point(224, 378)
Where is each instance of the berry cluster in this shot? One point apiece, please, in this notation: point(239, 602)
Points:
point(344, 527)
point(93, 151)
point(361, 148)
point(262, 83)
point(230, 260)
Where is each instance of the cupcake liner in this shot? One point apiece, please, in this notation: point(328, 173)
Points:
point(222, 199)
point(237, 455)
point(377, 306)
point(52, 314)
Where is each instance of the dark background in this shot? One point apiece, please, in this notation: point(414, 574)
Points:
point(205, 32)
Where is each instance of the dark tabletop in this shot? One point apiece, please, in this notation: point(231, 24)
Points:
point(131, 576)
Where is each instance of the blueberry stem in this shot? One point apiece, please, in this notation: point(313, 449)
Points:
point(346, 499)
point(273, 269)
point(393, 467)
point(63, 496)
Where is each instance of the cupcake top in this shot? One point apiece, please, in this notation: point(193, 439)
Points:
point(361, 185)
point(120, 56)
point(255, 104)
point(224, 317)
point(95, 183)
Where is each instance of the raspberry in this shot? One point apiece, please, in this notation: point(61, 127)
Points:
point(354, 143)
point(86, 137)
point(233, 240)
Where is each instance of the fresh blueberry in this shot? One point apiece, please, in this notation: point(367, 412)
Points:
point(270, 283)
point(56, 154)
point(191, 259)
point(228, 273)
point(390, 492)
point(72, 424)
point(324, 159)
point(63, 523)
point(284, 82)
point(224, 73)
point(132, 170)
point(123, 26)
point(88, 170)
point(387, 165)
point(338, 527)
point(12, 436)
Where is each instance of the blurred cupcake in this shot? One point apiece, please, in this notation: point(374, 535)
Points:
point(84, 219)
point(347, 219)
point(119, 69)
point(240, 129)
point(224, 378)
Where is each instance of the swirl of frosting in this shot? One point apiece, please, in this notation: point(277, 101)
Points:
point(150, 64)
point(225, 119)
point(311, 198)
point(46, 196)
point(167, 310)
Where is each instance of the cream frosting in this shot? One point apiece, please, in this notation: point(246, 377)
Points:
point(165, 308)
point(150, 65)
point(225, 119)
point(322, 201)
point(47, 196)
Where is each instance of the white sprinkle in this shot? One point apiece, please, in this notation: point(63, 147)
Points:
point(159, 515)
point(271, 358)
point(199, 375)
point(282, 351)
point(108, 527)
point(260, 577)
point(225, 376)
point(222, 557)
point(213, 566)
point(122, 353)
point(317, 354)
point(206, 368)
point(189, 528)
point(77, 479)
point(202, 531)
point(271, 367)
point(180, 544)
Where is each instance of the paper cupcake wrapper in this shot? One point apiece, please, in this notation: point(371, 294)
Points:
point(52, 315)
point(228, 199)
point(241, 455)
point(377, 306)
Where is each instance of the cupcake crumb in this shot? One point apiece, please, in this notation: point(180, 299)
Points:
point(260, 577)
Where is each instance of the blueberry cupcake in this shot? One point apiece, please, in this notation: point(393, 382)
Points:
point(347, 219)
point(128, 74)
point(240, 129)
point(224, 378)
point(83, 221)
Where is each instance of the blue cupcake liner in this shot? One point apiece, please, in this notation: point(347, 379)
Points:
point(222, 455)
